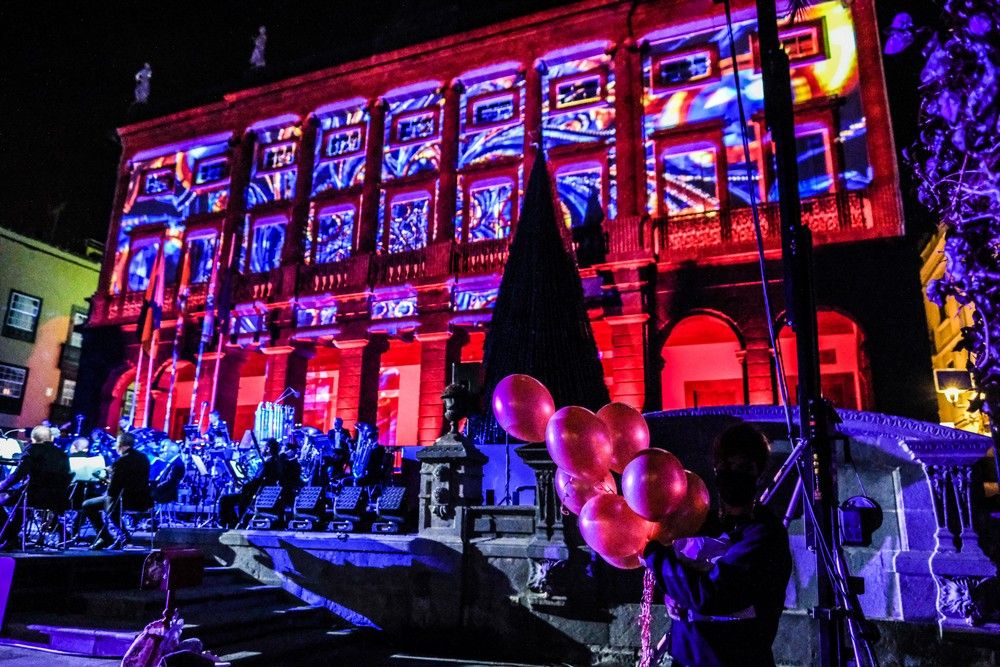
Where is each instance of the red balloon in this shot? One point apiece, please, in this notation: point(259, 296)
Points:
point(610, 528)
point(574, 493)
point(523, 406)
point(688, 518)
point(627, 563)
point(654, 484)
point(629, 432)
point(579, 443)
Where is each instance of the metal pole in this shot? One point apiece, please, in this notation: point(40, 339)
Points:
point(154, 344)
point(135, 390)
point(175, 352)
point(800, 304)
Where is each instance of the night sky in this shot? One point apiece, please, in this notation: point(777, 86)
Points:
point(67, 77)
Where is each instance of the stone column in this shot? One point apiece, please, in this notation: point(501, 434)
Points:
point(370, 190)
point(532, 112)
point(451, 478)
point(444, 226)
point(286, 367)
point(349, 383)
point(628, 337)
point(228, 387)
point(370, 363)
point(291, 251)
point(630, 158)
point(759, 368)
point(433, 380)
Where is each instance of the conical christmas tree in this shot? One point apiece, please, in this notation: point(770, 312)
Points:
point(540, 325)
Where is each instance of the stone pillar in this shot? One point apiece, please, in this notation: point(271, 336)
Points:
point(368, 220)
point(286, 367)
point(433, 380)
point(532, 112)
point(630, 158)
point(451, 478)
point(349, 383)
point(291, 251)
point(628, 338)
point(227, 388)
point(444, 225)
point(759, 368)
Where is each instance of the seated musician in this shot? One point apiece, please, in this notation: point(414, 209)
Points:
point(290, 478)
point(128, 490)
point(125, 425)
point(232, 506)
point(165, 484)
point(46, 468)
point(82, 489)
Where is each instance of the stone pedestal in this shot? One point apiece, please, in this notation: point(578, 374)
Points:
point(451, 478)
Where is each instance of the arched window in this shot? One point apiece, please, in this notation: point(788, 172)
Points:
point(702, 364)
point(843, 368)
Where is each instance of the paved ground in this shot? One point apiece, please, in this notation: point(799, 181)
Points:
point(12, 656)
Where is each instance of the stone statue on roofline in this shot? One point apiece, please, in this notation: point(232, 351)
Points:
point(259, 45)
point(142, 82)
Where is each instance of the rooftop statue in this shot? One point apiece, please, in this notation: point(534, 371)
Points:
point(259, 44)
point(142, 80)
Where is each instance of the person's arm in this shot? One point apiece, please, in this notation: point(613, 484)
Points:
point(729, 586)
point(22, 470)
point(115, 478)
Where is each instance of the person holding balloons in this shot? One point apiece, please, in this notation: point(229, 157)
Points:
point(726, 596)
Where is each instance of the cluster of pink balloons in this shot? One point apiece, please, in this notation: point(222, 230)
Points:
point(659, 500)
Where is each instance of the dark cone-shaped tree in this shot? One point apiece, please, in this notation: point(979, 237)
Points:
point(540, 325)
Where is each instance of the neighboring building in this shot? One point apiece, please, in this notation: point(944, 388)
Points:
point(366, 210)
point(954, 384)
point(45, 292)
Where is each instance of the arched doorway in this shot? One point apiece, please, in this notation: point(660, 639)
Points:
point(843, 365)
point(702, 364)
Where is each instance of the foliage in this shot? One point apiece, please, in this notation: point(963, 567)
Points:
point(957, 161)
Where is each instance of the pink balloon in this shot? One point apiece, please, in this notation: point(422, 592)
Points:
point(574, 493)
point(654, 484)
point(523, 406)
point(579, 443)
point(688, 518)
point(610, 528)
point(627, 563)
point(629, 432)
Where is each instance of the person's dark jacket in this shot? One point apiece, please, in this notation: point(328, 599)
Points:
point(167, 481)
point(753, 573)
point(130, 480)
point(47, 469)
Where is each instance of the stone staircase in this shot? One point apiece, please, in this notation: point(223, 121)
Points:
point(242, 621)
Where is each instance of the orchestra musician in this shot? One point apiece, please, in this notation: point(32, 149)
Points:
point(82, 490)
point(232, 506)
point(125, 425)
point(290, 478)
point(166, 482)
point(217, 429)
point(46, 468)
point(128, 490)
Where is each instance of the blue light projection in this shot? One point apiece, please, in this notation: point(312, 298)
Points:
point(340, 150)
point(690, 79)
point(391, 309)
point(474, 299)
point(265, 247)
point(412, 136)
point(201, 254)
point(581, 193)
point(170, 188)
point(491, 120)
point(316, 317)
point(578, 102)
point(491, 208)
point(334, 234)
point(140, 266)
point(408, 218)
point(273, 175)
point(690, 178)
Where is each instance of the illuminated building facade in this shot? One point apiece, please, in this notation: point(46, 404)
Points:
point(953, 382)
point(366, 211)
point(44, 291)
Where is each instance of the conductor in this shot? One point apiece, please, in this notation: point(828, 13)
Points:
point(726, 605)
